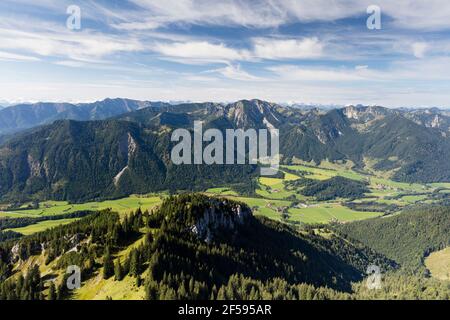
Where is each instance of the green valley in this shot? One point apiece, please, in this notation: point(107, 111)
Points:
point(280, 199)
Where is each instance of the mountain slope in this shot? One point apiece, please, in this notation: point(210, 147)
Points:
point(195, 248)
point(78, 161)
point(407, 238)
point(418, 153)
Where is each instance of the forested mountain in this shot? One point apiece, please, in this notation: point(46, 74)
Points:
point(130, 153)
point(415, 152)
point(407, 238)
point(195, 248)
point(77, 161)
point(431, 118)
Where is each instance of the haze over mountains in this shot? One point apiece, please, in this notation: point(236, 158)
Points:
point(130, 151)
point(24, 116)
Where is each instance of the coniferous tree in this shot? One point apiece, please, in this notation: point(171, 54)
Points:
point(108, 265)
point(135, 263)
point(118, 271)
point(51, 292)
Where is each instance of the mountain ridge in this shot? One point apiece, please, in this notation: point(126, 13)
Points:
point(46, 161)
point(25, 116)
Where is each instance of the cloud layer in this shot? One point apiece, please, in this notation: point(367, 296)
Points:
point(284, 50)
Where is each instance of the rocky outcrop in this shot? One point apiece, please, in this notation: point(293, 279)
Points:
point(74, 240)
point(34, 166)
point(21, 252)
point(127, 146)
point(214, 221)
point(366, 113)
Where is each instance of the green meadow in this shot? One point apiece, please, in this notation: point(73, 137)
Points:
point(42, 226)
point(49, 208)
point(439, 264)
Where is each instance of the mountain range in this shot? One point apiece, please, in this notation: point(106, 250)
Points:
point(24, 116)
point(129, 152)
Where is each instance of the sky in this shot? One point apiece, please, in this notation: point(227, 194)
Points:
point(285, 51)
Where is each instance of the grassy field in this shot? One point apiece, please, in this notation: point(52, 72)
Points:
point(222, 191)
point(325, 213)
point(273, 197)
point(265, 207)
point(49, 208)
point(41, 226)
point(439, 264)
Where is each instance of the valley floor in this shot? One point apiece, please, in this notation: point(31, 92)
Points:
point(275, 198)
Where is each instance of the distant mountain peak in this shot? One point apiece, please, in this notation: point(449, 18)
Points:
point(366, 113)
point(254, 114)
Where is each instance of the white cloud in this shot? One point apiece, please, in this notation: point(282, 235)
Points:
point(296, 73)
point(409, 14)
point(236, 73)
point(70, 63)
point(263, 48)
point(276, 49)
point(418, 14)
point(83, 46)
point(200, 51)
point(376, 66)
point(419, 49)
point(7, 56)
point(226, 12)
point(144, 25)
point(407, 71)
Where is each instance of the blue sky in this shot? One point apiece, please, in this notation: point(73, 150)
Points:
point(310, 51)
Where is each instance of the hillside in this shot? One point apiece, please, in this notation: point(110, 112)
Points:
point(337, 187)
point(77, 161)
point(193, 247)
point(407, 238)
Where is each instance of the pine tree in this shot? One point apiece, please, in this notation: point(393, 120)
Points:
point(138, 281)
point(51, 292)
point(135, 263)
point(108, 265)
point(118, 271)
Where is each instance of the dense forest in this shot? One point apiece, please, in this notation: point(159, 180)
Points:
point(60, 162)
point(407, 238)
point(196, 247)
point(336, 187)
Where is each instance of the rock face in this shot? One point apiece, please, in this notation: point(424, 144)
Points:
point(254, 114)
point(21, 252)
point(366, 113)
point(15, 253)
point(213, 221)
